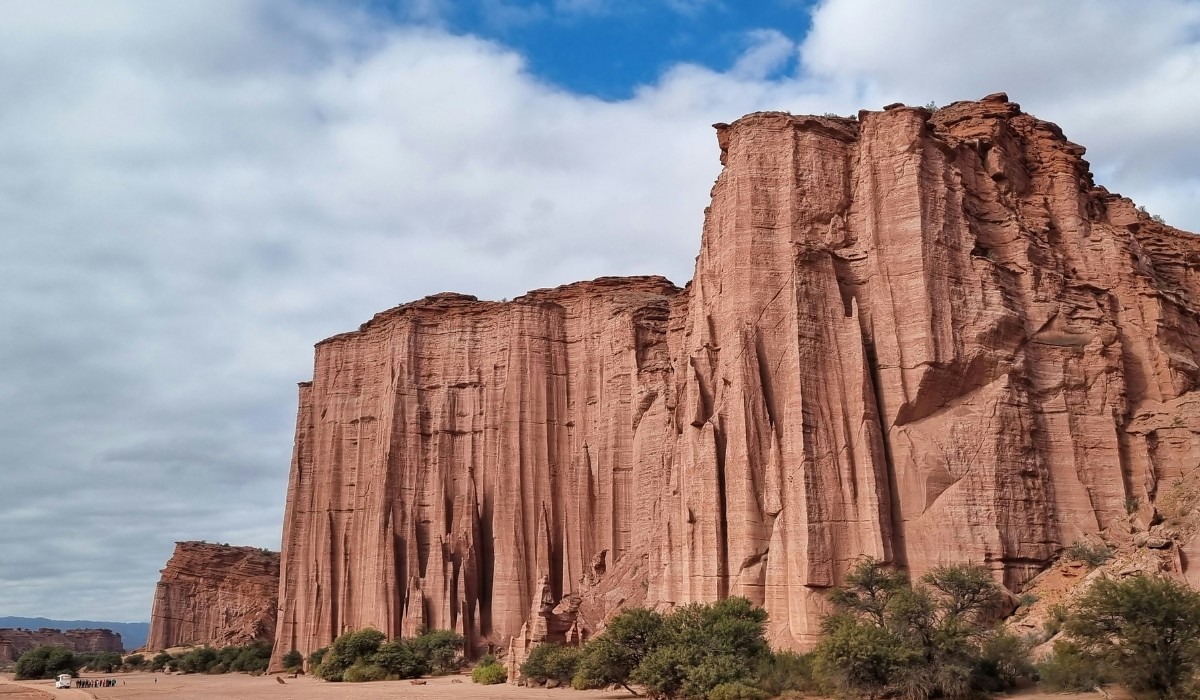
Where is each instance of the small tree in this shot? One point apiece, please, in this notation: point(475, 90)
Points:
point(441, 650)
point(345, 651)
point(400, 660)
point(551, 662)
point(703, 646)
point(1146, 629)
point(611, 657)
point(1069, 668)
point(889, 637)
point(869, 587)
point(293, 661)
point(106, 662)
point(160, 661)
point(135, 662)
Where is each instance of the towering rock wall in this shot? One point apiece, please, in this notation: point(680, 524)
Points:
point(215, 594)
point(453, 453)
point(923, 337)
point(14, 642)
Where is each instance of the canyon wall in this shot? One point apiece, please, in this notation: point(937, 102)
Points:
point(215, 594)
point(14, 641)
point(920, 336)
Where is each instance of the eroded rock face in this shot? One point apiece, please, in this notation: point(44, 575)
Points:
point(14, 642)
point(215, 594)
point(922, 337)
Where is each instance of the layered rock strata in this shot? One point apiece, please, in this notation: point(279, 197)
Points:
point(922, 337)
point(14, 642)
point(215, 594)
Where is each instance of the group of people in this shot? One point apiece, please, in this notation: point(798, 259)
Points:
point(96, 682)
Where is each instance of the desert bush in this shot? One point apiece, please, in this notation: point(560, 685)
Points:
point(888, 636)
point(611, 657)
point(688, 653)
point(198, 660)
point(489, 671)
point(293, 661)
point(400, 660)
point(45, 662)
point(347, 650)
point(702, 646)
point(551, 661)
point(1087, 553)
point(1145, 629)
point(160, 661)
point(1069, 668)
point(785, 671)
point(441, 650)
point(1058, 616)
point(135, 662)
point(1003, 663)
point(363, 672)
point(736, 691)
point(105, 662)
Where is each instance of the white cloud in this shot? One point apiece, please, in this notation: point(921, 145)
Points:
point(193, 196)
point(1121, 78)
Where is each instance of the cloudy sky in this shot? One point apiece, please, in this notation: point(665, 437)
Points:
point(192, 193)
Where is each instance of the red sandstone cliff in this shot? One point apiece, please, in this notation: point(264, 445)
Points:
point(14, 642)
point(924, 337)
point(214, 594)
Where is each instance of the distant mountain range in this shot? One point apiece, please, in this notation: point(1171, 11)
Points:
point(133, 634)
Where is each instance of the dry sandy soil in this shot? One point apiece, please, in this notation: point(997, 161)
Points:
point(239, 686)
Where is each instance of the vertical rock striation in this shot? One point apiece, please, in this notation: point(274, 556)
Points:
point(922, 337)
point(215, 594)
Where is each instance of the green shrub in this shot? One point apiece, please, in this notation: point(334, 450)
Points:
point(362, 672)
point(315, 657)
point(551, 662)
point(890, 637)
point(1069, 668)
point(135, 662)
point(441, 650)
point(1146, 629)
point(400, 659)
point(1003, 663)
point(702, 646)
point(856, 657)
point(45, 662)
point(198, 660)
point(489, 673)
point(347, 650)
point(293, 661)
point(736, 691)
point(611, 657)
point(105, 662)
point(160, 661)
point(1087, 553)
point(783, 671)
point(1058, 616)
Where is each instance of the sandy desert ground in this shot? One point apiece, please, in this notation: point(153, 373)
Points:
point(242, 687)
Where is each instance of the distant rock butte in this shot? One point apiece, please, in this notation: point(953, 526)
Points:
point(14, 642)
point(215, 594)
point(922, 337)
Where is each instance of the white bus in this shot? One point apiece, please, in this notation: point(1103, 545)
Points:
point(63, 680)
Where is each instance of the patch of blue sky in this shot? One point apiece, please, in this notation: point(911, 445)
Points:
point(608, 48)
